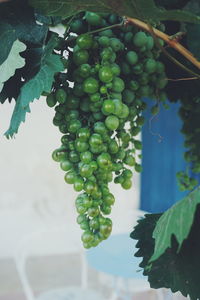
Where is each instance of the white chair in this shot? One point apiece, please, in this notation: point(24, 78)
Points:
point(56, 241)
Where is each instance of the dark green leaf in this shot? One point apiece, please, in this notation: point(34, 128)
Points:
point(141, 9)
point(21, 19)
point(172, 4)
point(50, 21)
point(33, 57)
point(32, 89)
point(193, 30)
point(12, 87)
point(175, 221)
point(177, 271)
point(178, 15)
point(22, 26)
point(7, 38)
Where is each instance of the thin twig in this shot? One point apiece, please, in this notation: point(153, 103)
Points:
point(173, 43)
point(182, 79)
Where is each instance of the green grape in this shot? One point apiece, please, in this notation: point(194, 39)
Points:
point(104, 41)
point(78, 184)
point(113, 147)
point(84, 70)
point(104, 160)
point(93, 19)
point(112, 122)
point(132, 57)
point(59, 155)
point(84, 41)
point(86, 157)
point(108, 107)
point(126, 68)
point(127, 184)
point(118, 85)
point(107, 33)
point(86, 170)
point(130, 161)
point(150, 66)
point(51, 100)
point(80, 57)
point(70, 177)
point(74, 126)
point(138, 168)
point(128, 96)
point(95, 97)
point(105, 74)
point(83, 134)
point(66, 165)
point(61, 96)
point(81, 146)
point(133, 85)
point(90, 85)
point(128, 37)
point(140, 39)
point(77, 26)
point(73, 156)
point(149, 43)
point(127, 173)
point(116, 44)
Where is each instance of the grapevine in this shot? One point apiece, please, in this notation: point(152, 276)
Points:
point(98, 102)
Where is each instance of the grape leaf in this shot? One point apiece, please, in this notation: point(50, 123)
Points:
point(175, 221)
point(193, 30)
point(172, 4)
point(141, 9)
point(177, 271)
point(7, 38)
point(32, 89)
point(13, 62)
point(20, 20)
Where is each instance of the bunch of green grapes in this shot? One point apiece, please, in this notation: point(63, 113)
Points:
point(98, 109)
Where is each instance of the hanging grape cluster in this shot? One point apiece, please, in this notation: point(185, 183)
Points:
point(98, 109)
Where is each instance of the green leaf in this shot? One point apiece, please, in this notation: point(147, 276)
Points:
point(172, 4)
point(177, 271)
point(141, 9)
point(23, 26)
point(175, 221)
point(193, 30)
point(32, 89)
point(13, 62)
point(7, 38)
point(19, 18)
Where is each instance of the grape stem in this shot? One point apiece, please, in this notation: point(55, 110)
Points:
point(101, 29)
point(173, 43)
point(183, 79)
point(107, 27)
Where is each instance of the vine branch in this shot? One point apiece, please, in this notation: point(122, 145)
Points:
point(173, 43)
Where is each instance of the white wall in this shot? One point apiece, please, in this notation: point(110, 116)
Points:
point(33, 194)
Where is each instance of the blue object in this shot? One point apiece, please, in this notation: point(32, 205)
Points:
point(115, 256)
point(162, 158)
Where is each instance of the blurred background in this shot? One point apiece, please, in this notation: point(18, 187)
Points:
point(34, 198)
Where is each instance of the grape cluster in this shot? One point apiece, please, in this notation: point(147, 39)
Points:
point(98, 109)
